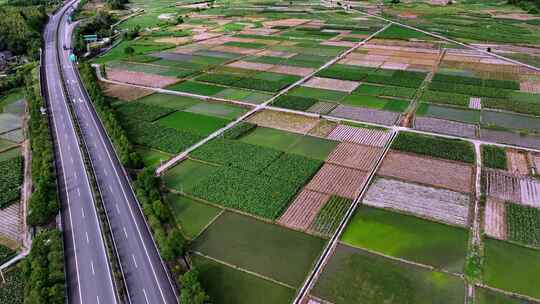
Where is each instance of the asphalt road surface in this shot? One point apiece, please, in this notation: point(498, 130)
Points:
point(145, 274)
point(89, 277)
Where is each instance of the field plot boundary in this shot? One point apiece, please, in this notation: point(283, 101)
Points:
point(263, 105)
point(334, 239)
point(508, 293)
point(243, 270)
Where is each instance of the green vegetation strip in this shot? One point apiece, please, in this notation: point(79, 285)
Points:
point(327, 220)
point(494, 157)
point(452, 149)
point(408, 237)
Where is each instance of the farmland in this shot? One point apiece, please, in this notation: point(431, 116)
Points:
point(407, 237)
point(10, 180)
point(260, 201)
point(355, 275)
point(12, 291)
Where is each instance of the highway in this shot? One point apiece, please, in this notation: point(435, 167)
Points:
point(89, 278)
point(145, 274)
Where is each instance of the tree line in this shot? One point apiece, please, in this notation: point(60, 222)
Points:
point(20, 29)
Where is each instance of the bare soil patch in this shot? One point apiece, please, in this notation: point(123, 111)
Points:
point(323, 128)
point(292, 70)
point(370, 137)
point(428, 171)
point(355, 156)
point(303, 210)
point(495, 218)
point(502, 185)
point(235, 49)
point(332, 84)
point(341, 181)
point(284, 121)
point(517, 162)
point(256, 66)
point(122, 92)
point(140, 78)
point(286, 22)
point(438, 204)
point(174, 40)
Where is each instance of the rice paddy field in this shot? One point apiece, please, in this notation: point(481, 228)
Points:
point(298, 105)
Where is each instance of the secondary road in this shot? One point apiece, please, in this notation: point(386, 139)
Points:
point(88, 271)
point(145, 274)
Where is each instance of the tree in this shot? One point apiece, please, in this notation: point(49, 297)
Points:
point(129, 51)
point(192, 291)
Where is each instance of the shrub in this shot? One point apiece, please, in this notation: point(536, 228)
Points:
point(452, 149)
point(494, 157)
point(5, 254)
point(294, 102)
point(43, 269)
point(192, 291)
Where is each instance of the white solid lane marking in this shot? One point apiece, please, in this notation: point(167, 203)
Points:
point(87, 239)
point(134, 261)
point(92, 265)
point(125, 232)
point(97, 297)
point(145, 296)
point(82, 211)
point(110, 188)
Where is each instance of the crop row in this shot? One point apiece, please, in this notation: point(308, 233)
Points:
point(239, 130)
point(446, 98)
point(471, 90)
point(159, 137)
point(10, 180)
point(294, 102)
point(246, 191)
point(330, 215)
point(494, 157)
point(495, 83)
point(248, 82)
point(236, 154)
point(5, 254)
point(398, 78)
point(452, 149)
point(12, 290)
point(138, 110)
point(294, 168)
point(523, 224)
point(510, 104)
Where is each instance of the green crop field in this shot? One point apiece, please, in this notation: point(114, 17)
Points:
point(455, 114)
point(194, 123)
point(510, 267)
point(226, 285)
point(191, 216)
point(223, 110)
point(152, 158)
point(494, 157)
point(355, 276)
point(376, 103)
point(10, 180)
point(323, 94)
point(12, 291)
point(308, 146)
point(408, 237)
point(11, 153)
point(327, 220)
point(5, 254)
point(452, 149)
point(270, 250)
point(486, 296)
point(196, 88)
point(523, 224)
point(187, 174)
point(169, 101)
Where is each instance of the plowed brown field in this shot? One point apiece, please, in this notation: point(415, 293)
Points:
point(303, 210)
point(341, 181)
point(495, 218)
point(444, 174)
point(355, 156)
